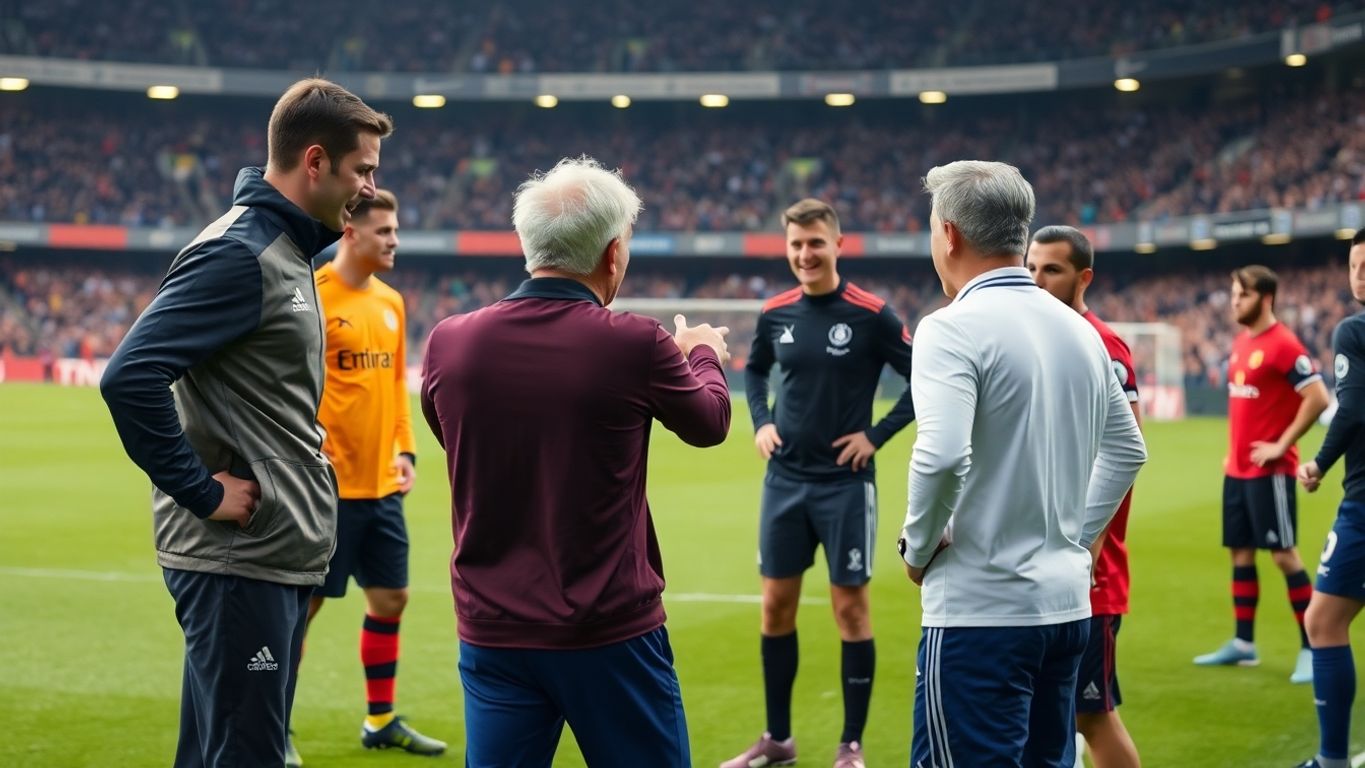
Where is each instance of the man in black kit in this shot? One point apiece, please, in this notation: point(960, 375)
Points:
point(830, 340)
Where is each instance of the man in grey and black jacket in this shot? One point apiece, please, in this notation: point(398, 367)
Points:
point(214, 392)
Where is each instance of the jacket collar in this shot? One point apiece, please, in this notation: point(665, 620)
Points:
point(1003, 277)
point(309, 234)
point(554, 288)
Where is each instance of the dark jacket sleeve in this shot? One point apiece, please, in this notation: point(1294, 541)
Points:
point(893, 345)
point(210, 298)
point(689, 397)
point(1350, 415)
point(756, 370)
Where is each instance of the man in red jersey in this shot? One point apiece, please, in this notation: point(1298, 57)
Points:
point(1275, 393)
point(1062, 263)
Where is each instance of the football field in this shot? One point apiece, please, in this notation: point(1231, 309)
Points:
point(91, 652)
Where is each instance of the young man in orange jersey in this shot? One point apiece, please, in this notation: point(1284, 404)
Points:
point(831, 340)
point(366, 412)
point(1275, 393)
point(1062, 262)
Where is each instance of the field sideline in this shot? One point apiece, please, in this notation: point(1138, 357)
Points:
point(92, 654)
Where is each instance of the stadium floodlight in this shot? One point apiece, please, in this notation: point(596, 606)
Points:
point(1145, 248)
point(1276, 238)
point(13, 83)
point(1203, 244)
point(164, 92)
point(1345, 233)
point(1296, 60)
point(839, 99)
point(547, 101)
point(715, 100)
point(1127, 84)
point(428, 101)
point(620, 101)
point(932, 97)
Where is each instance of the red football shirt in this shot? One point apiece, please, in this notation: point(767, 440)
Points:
point(1110, 593)
point(1265, 375)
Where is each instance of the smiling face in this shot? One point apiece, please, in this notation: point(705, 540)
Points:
point(339, 185)
point(813, 254)
point(374, 239)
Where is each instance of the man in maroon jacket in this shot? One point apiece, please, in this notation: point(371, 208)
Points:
point(543, 403)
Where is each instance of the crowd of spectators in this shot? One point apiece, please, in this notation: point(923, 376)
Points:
point(515, 36)
point(82, 310)
point(1090, 162)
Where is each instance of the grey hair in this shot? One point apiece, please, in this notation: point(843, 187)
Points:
point(566, 218)
point(990, 203)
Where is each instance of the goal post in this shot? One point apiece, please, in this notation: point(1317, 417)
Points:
point(1158, 356)
point(739, 315)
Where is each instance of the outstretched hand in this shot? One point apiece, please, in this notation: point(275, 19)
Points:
point(704, 335)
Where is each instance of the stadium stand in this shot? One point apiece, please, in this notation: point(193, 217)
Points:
point(619, 36)
point(1089, 162)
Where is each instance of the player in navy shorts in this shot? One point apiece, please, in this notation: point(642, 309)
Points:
point(1339, 593)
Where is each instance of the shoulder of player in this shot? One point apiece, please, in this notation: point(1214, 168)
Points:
point(324, 274)
point(1355, 324)
point(1286, 347)
point(1112, 341)
point(783, 299)
point(224, 259)
point(386, 291)
point(864, 300)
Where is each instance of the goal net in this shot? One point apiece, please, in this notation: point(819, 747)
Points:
point(739, 315)
point(1157, 353)
point(1158, 357)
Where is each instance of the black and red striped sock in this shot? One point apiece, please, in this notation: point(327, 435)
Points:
point(379, 654)
point(1300, 592)
point(1246, 592)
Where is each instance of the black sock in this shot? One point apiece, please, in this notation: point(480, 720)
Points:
point(779, 674)
point(1300, 591)
point(1245, 595)
point(859, 664)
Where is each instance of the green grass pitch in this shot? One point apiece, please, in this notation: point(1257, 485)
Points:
point(91, 652)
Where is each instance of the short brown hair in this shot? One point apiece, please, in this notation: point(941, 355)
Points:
point(383, 200)
point(317, 111)
point(1257, 279)
point(808, 211)
point(1082, 255)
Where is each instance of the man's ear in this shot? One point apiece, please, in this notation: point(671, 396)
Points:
point(953, 236)
point(1087, 275)
point(609, 255)
point(313, 159)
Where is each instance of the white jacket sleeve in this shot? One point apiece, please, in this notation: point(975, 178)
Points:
point(1122, 453)
point(944, 386)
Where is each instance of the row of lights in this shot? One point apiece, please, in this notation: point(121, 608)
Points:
point(1274, 238)
point(1129, 84)
point(163, 92)
point(710, 100)
point(622, 101)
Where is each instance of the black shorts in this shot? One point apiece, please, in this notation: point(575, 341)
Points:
point(796, 517)
point(1260, 512)
point(1097, 680)
point(372, 546)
